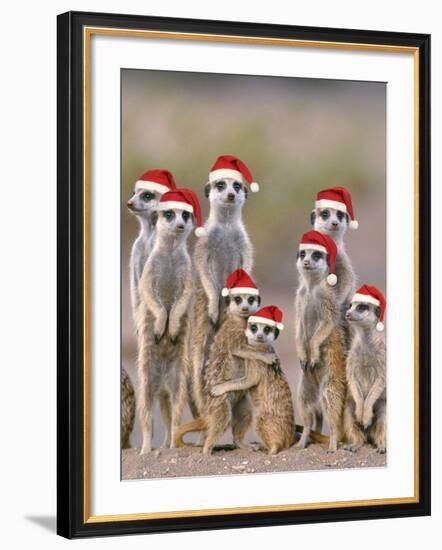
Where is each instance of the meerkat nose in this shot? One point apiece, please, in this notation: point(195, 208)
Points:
point(231, 196)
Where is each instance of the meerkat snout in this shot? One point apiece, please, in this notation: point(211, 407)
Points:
point(230, 197)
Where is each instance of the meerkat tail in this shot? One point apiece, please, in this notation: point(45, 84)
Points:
point(316, 437)
point(197, 425)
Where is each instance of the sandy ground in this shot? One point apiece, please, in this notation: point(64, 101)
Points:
point(189, 461)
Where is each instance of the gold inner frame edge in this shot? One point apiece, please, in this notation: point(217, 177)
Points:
point(87, 34)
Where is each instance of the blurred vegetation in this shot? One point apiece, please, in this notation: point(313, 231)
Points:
point(297, 136)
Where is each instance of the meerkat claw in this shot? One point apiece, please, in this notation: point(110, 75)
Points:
point(303, 365)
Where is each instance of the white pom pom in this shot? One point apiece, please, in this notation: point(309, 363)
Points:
point(254, 187)
point(225, 292)
point(354, 224)
point(380, 326)
point(280, 326)
point(200, 231)
point(332, 279)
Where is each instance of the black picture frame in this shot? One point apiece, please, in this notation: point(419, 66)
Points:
point(72, 520)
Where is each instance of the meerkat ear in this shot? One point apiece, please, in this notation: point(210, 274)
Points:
point(313, 216)
point(207, 189)
point(377, 311)
point(246, 191)
point(258, 299)
point(227, 300)
point(347, 217)
point(276, 333)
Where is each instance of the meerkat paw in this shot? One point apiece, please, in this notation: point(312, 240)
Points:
point(145, 450)
point(381, 450)
point(173, 339)
point(158, 337)
point(367, 420)
point(302, 444)
point(351, 447)
point(303, 364)
point(217, 390)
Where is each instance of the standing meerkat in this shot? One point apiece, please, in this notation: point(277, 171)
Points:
point(365, 413)
point(319, 338)
point(144, 204)
point(217, 413)
point(127, 409)
point(267, 385)
point(333, 215)
point(166, 289)
point(225, 247)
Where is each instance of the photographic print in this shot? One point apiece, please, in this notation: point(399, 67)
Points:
point(253, 274)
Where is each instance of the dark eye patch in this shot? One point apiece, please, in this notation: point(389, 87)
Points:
point(267, 329)
point(237, 186)
point(253, 328)
point(302, 254)
point(325, 214)
point(251, 299)
point(340, 215)
point(362, 307)
point(238, 299)
point(147, 196)
point(185, 215)
point(169, 215)
point(220, 185)
point(316, 255)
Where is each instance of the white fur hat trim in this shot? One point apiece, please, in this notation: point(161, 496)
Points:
point(239, 290)
point(151, 186)
point(265, 321)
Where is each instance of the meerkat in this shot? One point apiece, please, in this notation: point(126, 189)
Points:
point(127, 409)
point(319, 339)
point(225, 247)
point(166, 288)
point(365, 413)
point(218, 413)
point(267, 387)
point(143, 204)
point(333, 215)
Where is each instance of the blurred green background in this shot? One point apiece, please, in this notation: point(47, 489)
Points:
point(297, 136)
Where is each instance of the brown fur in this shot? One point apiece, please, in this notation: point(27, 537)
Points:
point(220, 411)
point(127, 409)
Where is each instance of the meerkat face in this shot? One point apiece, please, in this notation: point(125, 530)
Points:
point(243, 305)
point(330, 221)
point(143, 202)
point(366, 315)
point(261, 333)
point(175, 223)
point(312, 262)
point(226, 193)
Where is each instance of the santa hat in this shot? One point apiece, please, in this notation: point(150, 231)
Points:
point(156, 180)
point(270, 315)
point(372, 295)
point(183, 199)
point(338, 198)
point(239, 282)
point(228, 166)
point(314, 240)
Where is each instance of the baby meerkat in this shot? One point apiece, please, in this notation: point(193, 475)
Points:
point(219, 412)
point(225, 247)
point(127, 409)
point(144, 204)
point(166, 289)
point(319, 338)
point(267, 385)
point(333, 215)
point(365, 414)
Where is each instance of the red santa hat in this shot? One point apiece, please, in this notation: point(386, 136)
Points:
point(314, 240)
point(270, 315)
point(156, 180)
point(371, 295)
point(228, 166)
point(183, 199)
point(239, 282)
point(338, 198)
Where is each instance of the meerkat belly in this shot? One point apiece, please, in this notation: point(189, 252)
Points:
point(168, 284)
point(237, 371)
point(225, 253)
point(310, 319)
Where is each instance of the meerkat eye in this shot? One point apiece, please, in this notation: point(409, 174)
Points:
point(169, 215)
point(317, 256)
point(147, 196)
point(251, 299)
point(340, 215)
point(237, 186)
point(325, 214)
point(267, 330)
point(302, 254)
point(185, 215)
point(238, 299)
point(220, 185)
point(362, 307)
point(253, 328)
